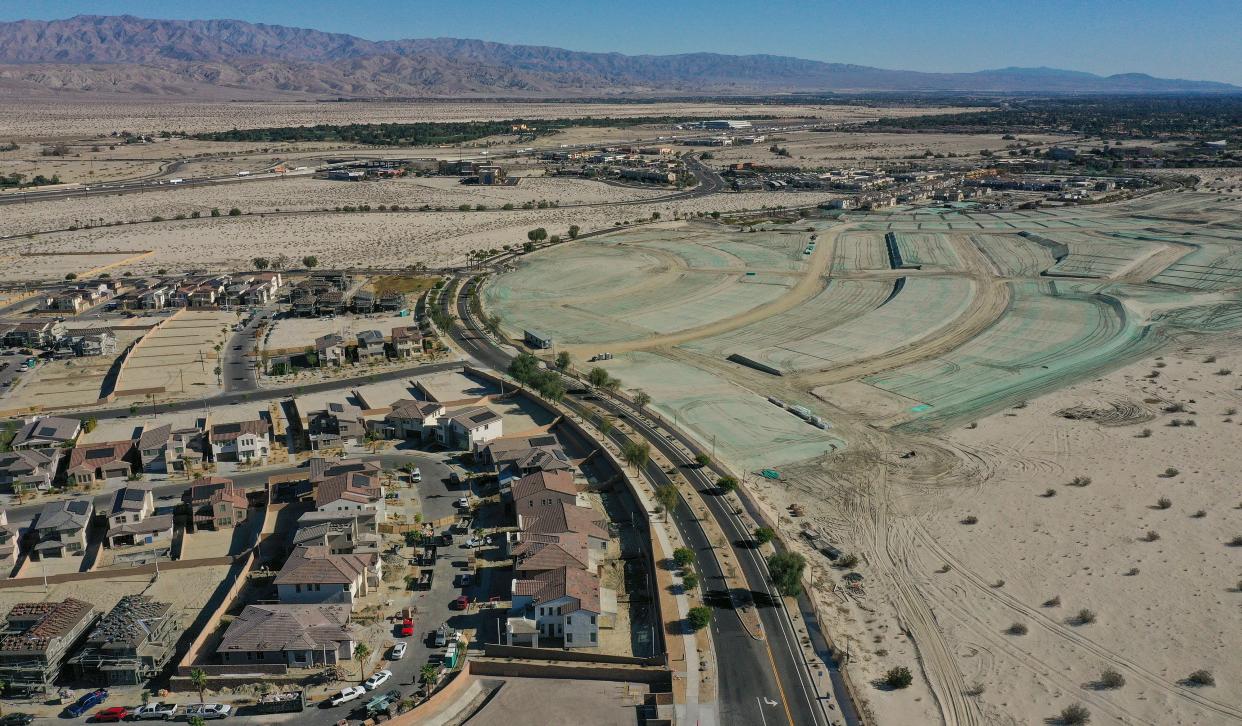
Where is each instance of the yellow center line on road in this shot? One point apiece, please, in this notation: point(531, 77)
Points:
point(784, 701)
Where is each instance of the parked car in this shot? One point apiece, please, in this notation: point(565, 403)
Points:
point(441, 635)
point(461, 603)
point(398, 652)
point(416, 476)
point(347, 694)
point(112, 714)
point(377, 680)
point(87, 702)
point(463, 502)
point(465, 579)
point(474, 542)
point(16, 719)
point(155, 712)
point(407, 628)
point(208, 711)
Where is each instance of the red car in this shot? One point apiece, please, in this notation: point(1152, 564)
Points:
point(461, 603)
point(114, 713)
point(407, 628)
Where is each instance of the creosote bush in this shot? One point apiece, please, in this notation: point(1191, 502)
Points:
point(899, 677)
point(1201, 678)
point(1163, 503)
point(1017, 629)
point(1074, 715)
point(1111, 679)
point(1084, 617)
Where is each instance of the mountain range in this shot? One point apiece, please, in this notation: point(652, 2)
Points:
point(126, 55)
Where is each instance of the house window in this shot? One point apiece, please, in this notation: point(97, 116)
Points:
point(569, 637)
point(297, 588)
point(569, 620)
point(592, 637)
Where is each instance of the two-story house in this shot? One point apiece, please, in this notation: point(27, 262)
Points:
point(410, 419)
point(562, 604)
point(27, 470)
point(297, 636)
point(351, 492)
point(469, 428)
point(407, 342)
point(133, 522)
point(370, 345)
point(60, 528)
point(131, 644)
point(45, 432)
point(36, 639)
point(215, 503)
point(330, 349)
point(240, 441)
point(542, 489)
point(312, 575)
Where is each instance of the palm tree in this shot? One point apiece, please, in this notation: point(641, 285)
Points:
point(361, 651)
point(198, 679)
point(428, 674)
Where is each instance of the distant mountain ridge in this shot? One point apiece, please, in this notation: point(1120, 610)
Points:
point(130, 55)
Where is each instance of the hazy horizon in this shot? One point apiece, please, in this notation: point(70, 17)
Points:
point(1192, 40)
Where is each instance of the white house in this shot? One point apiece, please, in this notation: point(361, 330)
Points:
point(410, 419)
point(313, 575)
point(561, 604)
point(240, 441)
point(470, 428)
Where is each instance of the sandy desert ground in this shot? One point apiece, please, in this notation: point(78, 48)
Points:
point(839, 148)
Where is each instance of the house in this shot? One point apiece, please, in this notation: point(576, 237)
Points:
point(362, 521)
point(36, 639)
point(536, 553)
point(28, 469)
point(406, 341)
point(84, 343)
point(354, 491)
point(152, 446)
point(330, 349)
point(543, 489)
point(131, 644)
point(410, 419)
point(314, 575)
point(560, 517)
point(185, 449)
point(391, 301)
point(35, 334)
point(133, 521)
point(341, 536)
point(297, 636)
point(157, 298)
point(370, 345)
point(45, 432)
point(8, 541)
point(563, 604)
point(100, 462)
point(340, 424)
point(331, 302)
point(241, 441)
point(60, 529)
point(303, 302)
point(514, 458)
point(363, 302)
point(469, 428)
point(215, 503)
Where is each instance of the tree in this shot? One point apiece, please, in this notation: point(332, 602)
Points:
point(699, 617)
point(636, 454)
point(764, 535)
point(612, 385)
point(524, 367)
point(702, 459)
point(563, 360)
point(641, 398)
point(786, 570)
point(361, 652)
point(492, 323)
point(215, 211)
point(538, 234)
point(198, 679)
point(597, 377)
point(689, 581)
point(726, 484)
point(310, 261)
point(234, 212)
point(261, 263)
point(573, 231)
point(71, 276)
point(1074, 715)
point(429, 673)
point(667, 496)
point(899, 677)
point(684, 556)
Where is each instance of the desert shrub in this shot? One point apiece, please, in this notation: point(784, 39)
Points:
point(970, 519)
point(1170, 472)
point(1132, 572)
point(1084, 617)
point(1080, 481)
point(1049, 493)
point(1201, 678)
point(899, 677)
point(1210, 359)
point(1223, 372)
point(1111, 679)
point(1163, 503)
point(1053, 602)
point(975, 690)
point(848, 561)
point(1074, 715)
point(1200, 514)
point(1144, 434)
point(1236, 541)
point(1151, 536)
point(1017, 629)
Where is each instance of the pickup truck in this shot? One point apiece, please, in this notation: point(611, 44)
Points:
point(381, 704)
point(155, 711)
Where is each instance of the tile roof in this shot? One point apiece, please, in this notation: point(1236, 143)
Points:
point(561, 517)
point(315, 565)
point(51, 620)
point(561, 482)
point(570, 551)
point(49, 428)
point(354, 487)
point(287, 627)
point(150, 525)
point(154, 438)
point(230, 431)
point(125, 622)
point(580, 586)
point(409, 408)
point(67, 514)
point(130, 499)
point(474, 417)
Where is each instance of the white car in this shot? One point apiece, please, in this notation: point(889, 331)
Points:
point(474, 542)
point(398, 651)
point(347, 694)
point(156, 711)
point(208, 711)
point(416, 476)
point(464, 502)
point(377, 680)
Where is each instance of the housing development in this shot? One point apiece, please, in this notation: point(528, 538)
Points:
point(757, 402)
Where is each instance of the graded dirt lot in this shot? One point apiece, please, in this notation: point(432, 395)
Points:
point(942, 387)
point(179, 358)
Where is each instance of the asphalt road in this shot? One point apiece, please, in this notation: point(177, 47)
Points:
point(753, 673)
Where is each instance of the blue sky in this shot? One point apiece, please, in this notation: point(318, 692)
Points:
point(1200, 39)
